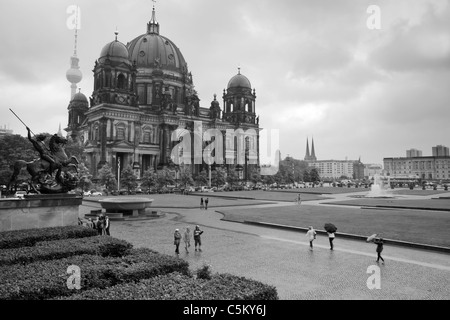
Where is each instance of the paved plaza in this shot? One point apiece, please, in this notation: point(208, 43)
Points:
point(282, 257)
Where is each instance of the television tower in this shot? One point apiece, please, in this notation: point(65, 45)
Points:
point(74, 74)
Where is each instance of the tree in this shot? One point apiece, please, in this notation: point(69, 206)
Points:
point(254, 175)
point(201, 178)
point(232, 177)
point(128, 179)
point(149, 179)
point(306, 176)
point(314, 175)
point(218, 177)
point(107, 178)
point(13, 148)
point(84, 176)
point(186, 177)
point(164, 177)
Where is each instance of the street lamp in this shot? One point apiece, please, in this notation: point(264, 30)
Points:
point(118, 175)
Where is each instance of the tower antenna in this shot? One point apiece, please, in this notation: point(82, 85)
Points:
point(76, 34)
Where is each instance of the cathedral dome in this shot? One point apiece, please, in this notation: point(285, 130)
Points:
point(115, 51)
point(152, 50)
point(239, 80)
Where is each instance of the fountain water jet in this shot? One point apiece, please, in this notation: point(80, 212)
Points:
point(377, 190)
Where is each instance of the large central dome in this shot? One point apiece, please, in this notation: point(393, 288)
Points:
point(151, 50)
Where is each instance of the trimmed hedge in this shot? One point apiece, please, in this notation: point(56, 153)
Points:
point(48, 279)
point(29, 237)
point(176, 286)
point(57, 249)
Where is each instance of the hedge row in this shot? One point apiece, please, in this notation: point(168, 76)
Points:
point(57, 249)
point(48, 279)
point(176, 286)
point(29, 237)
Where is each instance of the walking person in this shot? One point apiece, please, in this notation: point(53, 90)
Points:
point(379, 242)
point(197, 238)
point(206, 203)
point(299, 199)
point(311, 234)
point(187, 239)
point(177, 240)
point(201, 203)
point(331, 237)
point(99, 225)
point(107, 226)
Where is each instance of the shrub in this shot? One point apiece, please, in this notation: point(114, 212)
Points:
point(48, 279)
point(29, 237)
point(204, 272)
point(57, 249)
point(175, 286)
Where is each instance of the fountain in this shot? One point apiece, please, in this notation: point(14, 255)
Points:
point(377, 190)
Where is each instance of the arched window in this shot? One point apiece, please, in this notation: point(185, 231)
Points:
point(120, 133)
point(96, 133)
point(121, 81)
point(147, 137)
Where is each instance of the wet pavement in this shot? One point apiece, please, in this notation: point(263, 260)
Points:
point(282, 258)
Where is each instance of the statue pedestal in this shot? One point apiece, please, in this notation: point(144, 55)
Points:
point(39, 211)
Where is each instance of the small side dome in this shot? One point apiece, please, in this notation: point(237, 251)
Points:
point(115, 51)
point(79, 97)
point(239, 80)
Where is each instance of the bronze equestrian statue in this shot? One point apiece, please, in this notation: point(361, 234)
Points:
point(52, 158)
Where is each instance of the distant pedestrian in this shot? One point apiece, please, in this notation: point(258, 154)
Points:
point(107, 226)
point(331, 237)
point(311, 234)
point(177, 240)
point(379, 242)
point(201, 203)
point(206, 203)
point(299, 199)
point(187, 239)
point(99, 225)
point(197, 238)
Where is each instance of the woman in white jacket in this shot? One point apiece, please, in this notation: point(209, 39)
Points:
point(311, 234)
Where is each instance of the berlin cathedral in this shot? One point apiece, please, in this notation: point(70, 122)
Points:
point(143, 92)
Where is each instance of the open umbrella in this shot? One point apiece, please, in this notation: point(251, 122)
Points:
point(372, 237)
point(329, 227)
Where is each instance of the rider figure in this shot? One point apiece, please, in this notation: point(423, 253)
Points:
point(43, 151)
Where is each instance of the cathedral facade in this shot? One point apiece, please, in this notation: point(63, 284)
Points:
point(143, 94)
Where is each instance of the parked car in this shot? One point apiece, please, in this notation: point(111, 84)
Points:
point(96, 193)
point(20, 194)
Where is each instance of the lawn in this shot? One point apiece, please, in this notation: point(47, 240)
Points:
point(266, 195)
point(427, 227)
point(184, 201)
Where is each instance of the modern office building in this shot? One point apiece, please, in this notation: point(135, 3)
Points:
point(435, 167)
point(413, 153)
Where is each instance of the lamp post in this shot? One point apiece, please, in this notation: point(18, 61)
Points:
point(209, 176)
point(118, 175)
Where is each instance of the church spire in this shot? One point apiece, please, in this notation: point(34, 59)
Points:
point(313, 153)
point(153, 25)
point(307, 156)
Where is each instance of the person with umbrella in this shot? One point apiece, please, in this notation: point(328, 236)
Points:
point(312, 235)
point(379, 242)
point(331, 230)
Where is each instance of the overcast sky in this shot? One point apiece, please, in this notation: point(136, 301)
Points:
point(317, 68)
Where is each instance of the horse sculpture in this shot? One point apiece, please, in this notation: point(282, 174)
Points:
point(42, 169)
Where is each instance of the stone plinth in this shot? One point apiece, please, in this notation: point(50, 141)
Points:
point(39, 211)
point(128, 206)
